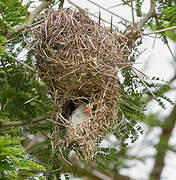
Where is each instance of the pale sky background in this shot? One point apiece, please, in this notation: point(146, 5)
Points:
point(155, 61)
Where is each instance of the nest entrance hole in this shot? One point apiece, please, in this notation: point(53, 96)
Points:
point(71, 105)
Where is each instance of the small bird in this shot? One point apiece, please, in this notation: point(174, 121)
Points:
point(78, 116)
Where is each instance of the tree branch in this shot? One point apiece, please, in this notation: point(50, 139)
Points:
point(21, 123)
point(162, 146)
point(31, 18)
point(147, 16)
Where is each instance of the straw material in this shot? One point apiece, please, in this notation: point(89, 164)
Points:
point(79, 60)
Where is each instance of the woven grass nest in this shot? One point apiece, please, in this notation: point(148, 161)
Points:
point(79, 60)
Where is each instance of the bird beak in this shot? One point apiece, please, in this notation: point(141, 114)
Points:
point(87, 110)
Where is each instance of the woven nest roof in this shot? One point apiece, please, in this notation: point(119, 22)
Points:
point(79, 60)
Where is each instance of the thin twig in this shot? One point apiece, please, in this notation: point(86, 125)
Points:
point(140, 72)
point(170, 50)
point(154, 41)
point(121, 4)
point(33, 25)
point(109, 11)
point(114, 6)
point(32, 99)
point(161, 30)
point(22, 123)
point(146, 86)
point(23, 64)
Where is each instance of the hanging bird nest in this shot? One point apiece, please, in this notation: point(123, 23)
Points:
point(79, 60)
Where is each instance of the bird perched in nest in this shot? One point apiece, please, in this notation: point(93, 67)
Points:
point(79, 115)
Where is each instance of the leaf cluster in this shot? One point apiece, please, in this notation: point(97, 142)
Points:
point(14, 162)
point(12, 13)
point(170, 15)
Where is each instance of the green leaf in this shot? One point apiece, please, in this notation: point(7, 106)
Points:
point(2, 39)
